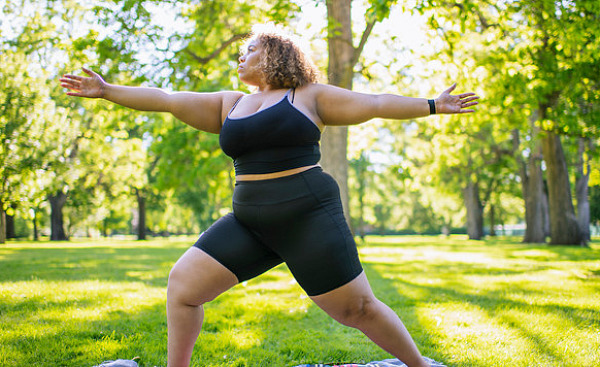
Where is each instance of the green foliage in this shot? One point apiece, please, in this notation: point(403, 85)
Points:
point(31, 124)
point(534, 63)
point(379, 9)
point(207, 56)
point(189, 162)
point(517, 55)
point(100, 154)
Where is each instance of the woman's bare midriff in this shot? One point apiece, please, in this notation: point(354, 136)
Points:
point(268, 176)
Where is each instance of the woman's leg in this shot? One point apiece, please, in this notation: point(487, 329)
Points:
point(225, 253)
point(354, 304)
point(195, 279)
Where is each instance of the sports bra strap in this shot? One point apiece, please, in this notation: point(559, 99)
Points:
point(235, 104)
point(293, 91)
point(293, 94)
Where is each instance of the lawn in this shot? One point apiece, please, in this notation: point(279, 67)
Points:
point(486, 303)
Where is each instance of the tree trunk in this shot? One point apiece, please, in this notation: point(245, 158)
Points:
point(581, 190)
point(57, 229)
point(532, 185)
point(141, 225)
point(10, 224)
point(492, 220)
point(564, 228)
point(535, 203)
point(105, 228)
point(474, 211)
point(2, 223)
point(340, 70)
point(36, 235)
point(361, 181)
point(334, 145)
point(546, 210)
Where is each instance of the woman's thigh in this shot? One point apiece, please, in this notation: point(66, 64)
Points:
point(237, 248)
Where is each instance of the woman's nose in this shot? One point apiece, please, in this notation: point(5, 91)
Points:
point(242, 58)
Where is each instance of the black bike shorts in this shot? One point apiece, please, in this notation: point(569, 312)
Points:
point(295, 219)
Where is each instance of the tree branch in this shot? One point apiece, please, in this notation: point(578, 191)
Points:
point(215, 53)
point(485, 24)
point(363, 40)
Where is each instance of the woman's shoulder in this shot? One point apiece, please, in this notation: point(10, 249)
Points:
point(230, 97)
point(313, 89)
point(319, 91)
point(232, 94)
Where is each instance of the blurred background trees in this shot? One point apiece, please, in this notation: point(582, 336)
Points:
point(526, 159)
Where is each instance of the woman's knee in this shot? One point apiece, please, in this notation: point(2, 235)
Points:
point(181, 288)
point(197, 278)
point(358, 311)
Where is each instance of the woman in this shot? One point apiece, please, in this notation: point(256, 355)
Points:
point(285, 208)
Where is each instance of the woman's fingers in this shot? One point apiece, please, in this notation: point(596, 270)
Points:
point(458, 103)
point(449, 90)
point(70, 83)
point(88, 71)
point(464, 95)
point(69, 79)
point(72, 77)
point(468, 102)
point(470, 98)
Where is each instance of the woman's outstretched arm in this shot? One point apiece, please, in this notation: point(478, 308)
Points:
point(339, 106)
point(203, 111)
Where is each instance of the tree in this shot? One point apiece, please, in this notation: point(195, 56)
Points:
point(19, 129)
point(537, 42)
point(551, 54)
point(343, 57)
point(180, 161)
point(532, 182)
point(25, 111)
point(37, 125)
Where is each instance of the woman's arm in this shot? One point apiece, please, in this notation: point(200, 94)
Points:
point(339, 106)
point(203, 111)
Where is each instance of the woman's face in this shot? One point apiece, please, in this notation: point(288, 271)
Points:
point(248, 68)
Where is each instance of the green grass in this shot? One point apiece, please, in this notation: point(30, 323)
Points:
point(467, 303)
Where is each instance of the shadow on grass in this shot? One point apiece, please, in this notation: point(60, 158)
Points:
point(86, 342)
point(146, 264)
point(524, 306)
point(386, 290)
point(495, 305)
point(265, 322)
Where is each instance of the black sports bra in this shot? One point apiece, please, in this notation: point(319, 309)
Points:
point(277, 138)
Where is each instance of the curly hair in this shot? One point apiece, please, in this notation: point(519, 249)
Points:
point(283, 63)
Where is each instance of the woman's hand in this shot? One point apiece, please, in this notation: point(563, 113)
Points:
point(90, 87)
point(459, 103)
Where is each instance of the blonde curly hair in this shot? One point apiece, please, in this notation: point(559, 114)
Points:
point(283, 63)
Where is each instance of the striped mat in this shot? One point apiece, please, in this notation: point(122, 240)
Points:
point(384, 363)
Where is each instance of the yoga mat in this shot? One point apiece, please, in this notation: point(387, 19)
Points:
point(384, 363)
